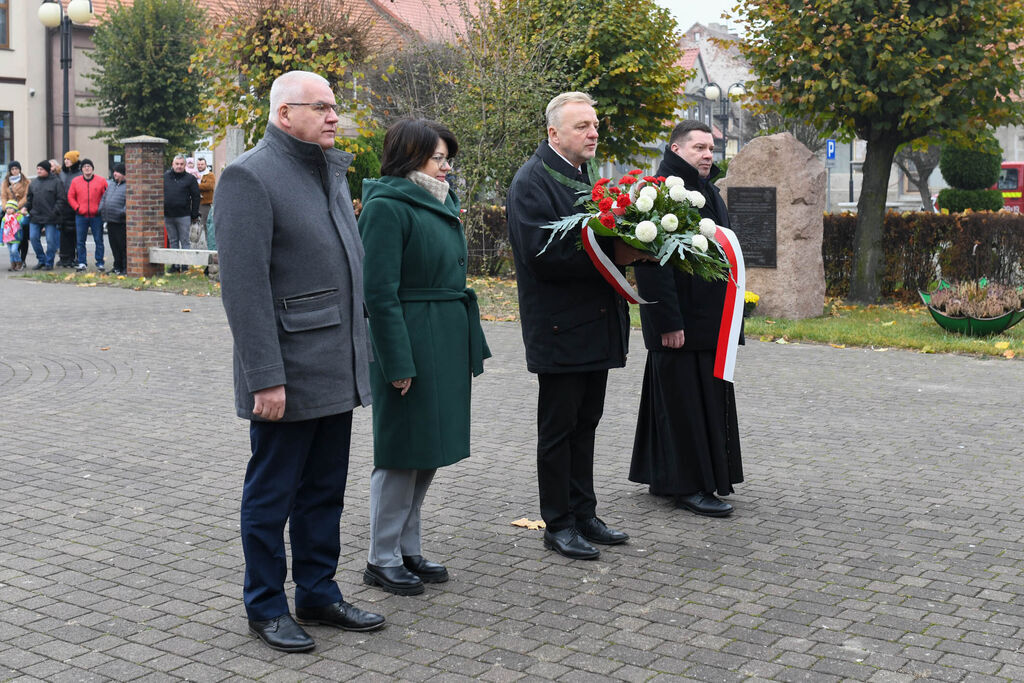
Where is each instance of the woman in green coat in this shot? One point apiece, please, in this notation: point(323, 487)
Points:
point(427, 343)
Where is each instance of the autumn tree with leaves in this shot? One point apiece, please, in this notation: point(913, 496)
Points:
point(888, 71)
point(624, 54)
point(142, 83)
point(263, 39)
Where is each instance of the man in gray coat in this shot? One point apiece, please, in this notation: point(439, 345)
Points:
point(291, 278)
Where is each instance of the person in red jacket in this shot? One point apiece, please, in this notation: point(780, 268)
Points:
point(84, 197)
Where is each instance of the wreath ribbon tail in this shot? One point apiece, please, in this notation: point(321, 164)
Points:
point(607, 269)
point(732, 311)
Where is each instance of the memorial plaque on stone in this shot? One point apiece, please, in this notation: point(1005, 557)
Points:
point(752, 218)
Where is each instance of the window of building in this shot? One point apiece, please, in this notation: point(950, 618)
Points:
point(5, 30)
point(6, 137)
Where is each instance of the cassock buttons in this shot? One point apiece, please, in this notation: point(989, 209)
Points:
point(462, 261)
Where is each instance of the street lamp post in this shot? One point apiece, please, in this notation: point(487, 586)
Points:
point(712, 93)
point(53, 15)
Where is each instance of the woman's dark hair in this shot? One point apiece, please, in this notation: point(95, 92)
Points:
point(410, 142)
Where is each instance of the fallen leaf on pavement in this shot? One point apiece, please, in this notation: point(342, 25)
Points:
point(1008, 354)
point(838, 346)
point(529, 523)
point(104, 348)
point(186, 310)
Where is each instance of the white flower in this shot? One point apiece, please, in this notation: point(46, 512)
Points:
point(644, 203)
point(696, 199)
point(669, 222)
point(649, 191)
point(708, 228)
point(646, 231)
point(678, 193)
point(700, 243)
point(672, 181)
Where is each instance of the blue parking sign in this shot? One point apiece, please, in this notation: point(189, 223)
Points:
point(830, 149)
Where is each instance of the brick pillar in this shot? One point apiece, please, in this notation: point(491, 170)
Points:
point(144, 173)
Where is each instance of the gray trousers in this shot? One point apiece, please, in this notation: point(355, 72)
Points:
point(177, 231)
point(395, 500)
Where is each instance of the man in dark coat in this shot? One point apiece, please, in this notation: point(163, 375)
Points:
point(68, 231)
point(574, 325)
point(291, 277)
point(45, 204)
point(687, 438)
point(181, 206)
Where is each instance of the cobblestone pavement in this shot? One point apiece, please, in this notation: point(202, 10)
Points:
point(878, 536)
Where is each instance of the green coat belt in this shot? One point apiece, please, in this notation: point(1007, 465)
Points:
point(468, 297)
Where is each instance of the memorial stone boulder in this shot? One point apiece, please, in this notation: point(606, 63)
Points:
point(781, 243)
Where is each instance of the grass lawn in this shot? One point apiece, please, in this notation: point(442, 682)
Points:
point(841, 326)
point(192, 283)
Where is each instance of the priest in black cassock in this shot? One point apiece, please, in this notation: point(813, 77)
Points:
point(687, 438)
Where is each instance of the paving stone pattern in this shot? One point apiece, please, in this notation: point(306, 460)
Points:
point(878, 536)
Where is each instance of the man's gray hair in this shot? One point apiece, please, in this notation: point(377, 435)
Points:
point(553, 112)
point(179, 156)
point(287, 86)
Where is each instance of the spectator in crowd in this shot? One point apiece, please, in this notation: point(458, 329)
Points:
point(206, 185)
point(85, 195)
point(15, 186)
point(190, 168)
point(68, 230)
point(181, 206)
point(113, 210)
point(45, 204)
point(10, 233)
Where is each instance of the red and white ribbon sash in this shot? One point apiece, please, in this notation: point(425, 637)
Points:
point(732, 312)
point(608, 269)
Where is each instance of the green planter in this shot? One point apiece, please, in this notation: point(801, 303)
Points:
point(975, 327)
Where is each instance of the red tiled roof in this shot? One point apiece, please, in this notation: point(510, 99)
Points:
point(689, 58)
point(426, 19)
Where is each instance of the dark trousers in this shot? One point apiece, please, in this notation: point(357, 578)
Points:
point(118, 238)
point(297, 475)
point(68, 242)
point(569, 407)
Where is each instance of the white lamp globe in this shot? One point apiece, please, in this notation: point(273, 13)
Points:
point(712, 91)
point(49, 14)
point(80, 11)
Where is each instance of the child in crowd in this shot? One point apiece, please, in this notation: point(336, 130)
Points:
point(12, 233)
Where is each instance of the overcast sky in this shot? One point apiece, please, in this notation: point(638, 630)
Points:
point(686, 12)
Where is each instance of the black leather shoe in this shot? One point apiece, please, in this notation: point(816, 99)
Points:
point(282, 633)
point(567, 542)
point(704, 504)
point(340, 615)
point(429, 572)
point(397, 580)
point(596, 531)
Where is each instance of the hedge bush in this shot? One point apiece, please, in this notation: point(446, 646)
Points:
point(921, 247)
point(972, 168)
point(956, 200)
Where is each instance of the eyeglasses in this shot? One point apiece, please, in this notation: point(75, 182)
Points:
point(319, 107)
point(441, 161)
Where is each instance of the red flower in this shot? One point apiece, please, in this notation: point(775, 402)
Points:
point(627, 180)
point(605, 204)
point(623, 201)
point(636, 171)
point(661, 179)
point(602, 181)
point(651, 179)
point(607, 220)
point(597, 193)
point(613, 190)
